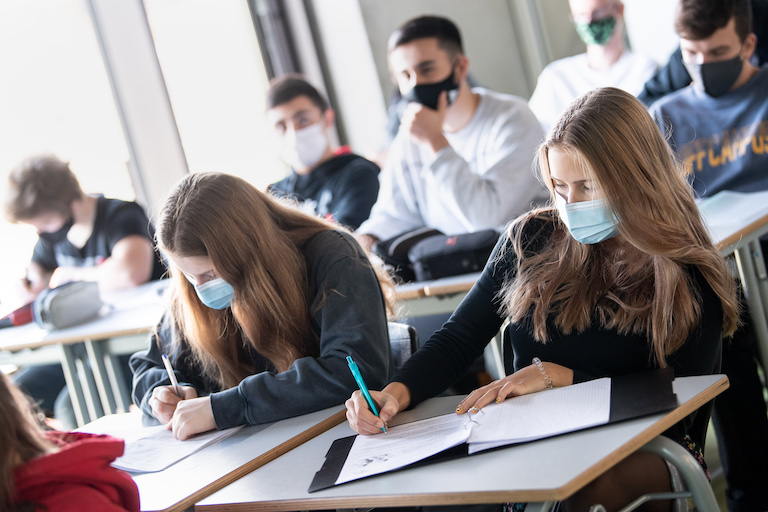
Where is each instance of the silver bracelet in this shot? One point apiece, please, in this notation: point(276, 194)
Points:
point(543, 372)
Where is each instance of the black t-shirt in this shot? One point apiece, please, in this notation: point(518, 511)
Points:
point(343, 189)
point(115, 220)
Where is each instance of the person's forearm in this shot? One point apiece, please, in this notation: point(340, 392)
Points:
point(116, 275)
point(400, 392)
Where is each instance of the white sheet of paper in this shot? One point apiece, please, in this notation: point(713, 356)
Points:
point(518, 419)
point(160, 449)
point(543, 414)
point(402, 445)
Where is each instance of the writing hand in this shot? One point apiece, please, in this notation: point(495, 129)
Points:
point(522, 382)
point(164, 401)
point(191, 417)
point(360, 417)
point(425, 125)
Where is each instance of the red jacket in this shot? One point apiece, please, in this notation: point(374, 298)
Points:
point(78, 477)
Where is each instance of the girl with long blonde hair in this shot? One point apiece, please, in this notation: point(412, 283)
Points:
point(617, 276)
point(266, 303)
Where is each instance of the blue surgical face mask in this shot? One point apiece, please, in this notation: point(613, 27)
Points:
point(589, 222)
point(216, 293)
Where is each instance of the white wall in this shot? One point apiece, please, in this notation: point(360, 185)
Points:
point(650, 27)
point(359, 100)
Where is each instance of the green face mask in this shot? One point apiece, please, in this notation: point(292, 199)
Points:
point(596, 32)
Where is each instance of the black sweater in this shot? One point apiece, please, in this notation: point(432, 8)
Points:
point(348, 317)
point(342, 190)
point(594, 353)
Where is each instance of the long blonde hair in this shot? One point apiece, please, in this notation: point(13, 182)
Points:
point(21, 439)
point(254, 243)
point(642, 286)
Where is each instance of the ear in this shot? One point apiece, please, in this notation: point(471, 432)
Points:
point(462, 68)
point(329, 117)
point(620, 9)
point(749, 46)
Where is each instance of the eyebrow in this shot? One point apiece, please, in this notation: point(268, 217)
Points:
point(575, 182)
point(708, 51)
point(419, 66)
point(299, 113)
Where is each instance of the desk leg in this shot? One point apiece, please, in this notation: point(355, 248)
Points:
point(754, 279)
point(92, 399)
point(116, 374)
point(694, 476)
point(74, 386)
point(96, 356)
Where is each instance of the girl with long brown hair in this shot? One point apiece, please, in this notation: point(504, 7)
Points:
point(266, 303)
point(618, 275)
point(48, 470)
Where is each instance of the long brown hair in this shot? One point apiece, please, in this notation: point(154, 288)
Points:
point(21, 438)
point(641, 286)
point(253, 241)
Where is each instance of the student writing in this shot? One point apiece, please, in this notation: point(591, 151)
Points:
point(266, 303)
point(617, 276)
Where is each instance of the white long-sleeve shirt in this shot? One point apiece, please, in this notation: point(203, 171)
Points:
point(483, 179)
point(564, 80)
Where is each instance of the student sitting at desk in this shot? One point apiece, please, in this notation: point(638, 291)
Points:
point(82, 237)
point(56, 471)
point(617, 276)
point(266, 304)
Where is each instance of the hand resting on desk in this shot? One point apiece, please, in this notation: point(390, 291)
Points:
point(522, 382)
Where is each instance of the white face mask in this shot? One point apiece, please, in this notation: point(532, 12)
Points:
point(305, 148)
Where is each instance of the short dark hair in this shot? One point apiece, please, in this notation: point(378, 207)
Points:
point(40, 184)
point(285, 88)
point(699, 19)
point(442, 29)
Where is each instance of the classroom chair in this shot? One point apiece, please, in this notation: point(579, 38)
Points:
point(403, 342)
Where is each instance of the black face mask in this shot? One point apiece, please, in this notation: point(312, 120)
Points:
point(715, 78)
point(61, 234)
point(427, 94)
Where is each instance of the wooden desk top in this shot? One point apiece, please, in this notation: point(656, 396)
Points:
point(188, 481)
point(549, 469)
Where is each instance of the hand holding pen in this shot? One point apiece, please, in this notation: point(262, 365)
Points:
point(165, 398)
point(364, 389)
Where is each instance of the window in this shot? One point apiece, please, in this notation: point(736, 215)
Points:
point(216, 81)
point(56, 99)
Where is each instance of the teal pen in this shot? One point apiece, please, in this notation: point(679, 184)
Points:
point(363, 388)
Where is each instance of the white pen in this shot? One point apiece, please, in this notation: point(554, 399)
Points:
point(172, 376)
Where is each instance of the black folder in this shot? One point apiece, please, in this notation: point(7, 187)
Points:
point(632, 396)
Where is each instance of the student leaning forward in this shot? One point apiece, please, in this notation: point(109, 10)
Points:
point(618, 275)
point(266, 303)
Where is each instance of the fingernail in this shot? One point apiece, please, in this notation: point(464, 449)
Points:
point(474, 409)
point(498, 400)
point(459, 409)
